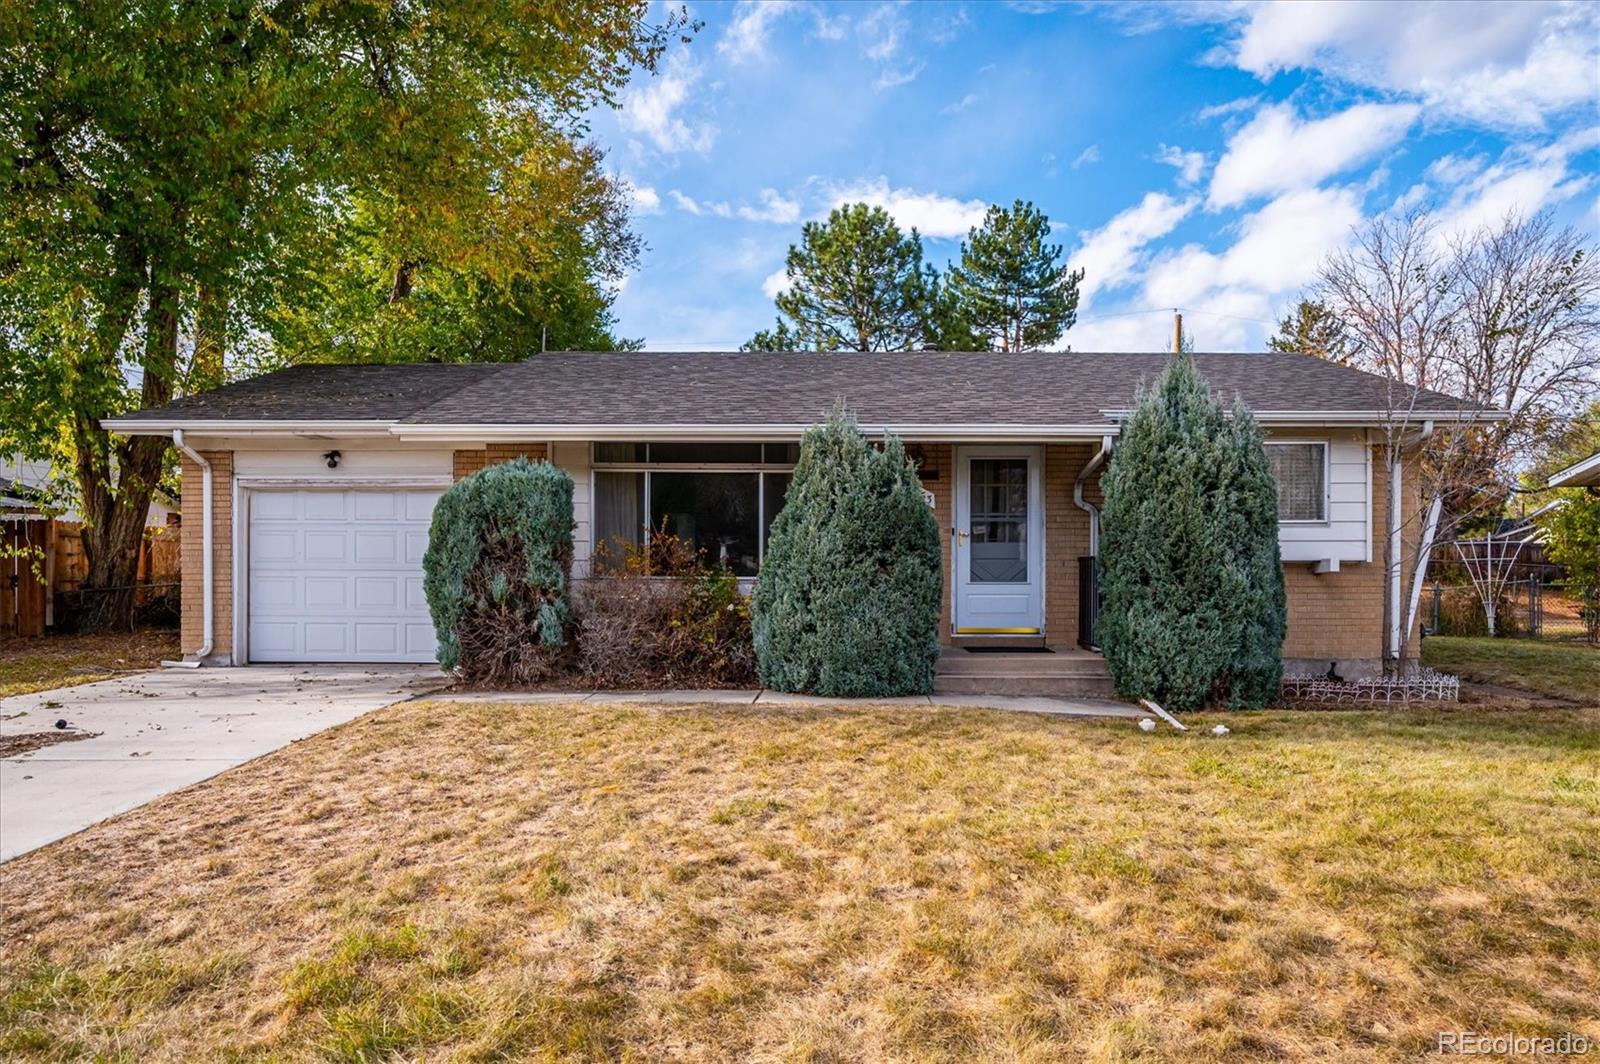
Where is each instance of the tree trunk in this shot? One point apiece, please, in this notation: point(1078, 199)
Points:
point(116, 494)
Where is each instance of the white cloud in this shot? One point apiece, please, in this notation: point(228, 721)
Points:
point(883, 34)
point(653, 109)
point(1276, 152)
point(685, 203)
point(776, 283)
point(774, 208)
point(1190, 164)
point(1109, 254)
point(1504, 65)
point(1089, 155)
point(882, 30)
point(959, 105)
point(1523, 181)
point(1231, 107)
point(645, 199)
point(746, 36)
point(929, 213)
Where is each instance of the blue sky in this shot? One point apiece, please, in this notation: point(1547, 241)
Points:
point(1201, 157)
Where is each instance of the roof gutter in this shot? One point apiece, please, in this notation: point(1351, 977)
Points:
point(923, 431)
point(207, 591)
point(1356, 417)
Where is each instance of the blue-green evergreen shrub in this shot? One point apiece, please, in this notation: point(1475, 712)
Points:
point(847, 601)
point(497, 572)
point(1192, 610)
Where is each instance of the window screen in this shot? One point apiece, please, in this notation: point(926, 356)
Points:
point(1301, 472)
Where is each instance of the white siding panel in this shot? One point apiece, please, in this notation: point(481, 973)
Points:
point(1343, 536)
point(574, 458)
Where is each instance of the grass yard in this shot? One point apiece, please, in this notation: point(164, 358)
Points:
point(62, 660)
point(579, 882)
point(1560, 670)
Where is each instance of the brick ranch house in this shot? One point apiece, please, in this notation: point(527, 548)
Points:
point(320, 481)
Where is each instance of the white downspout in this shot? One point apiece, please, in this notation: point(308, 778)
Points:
point(1396, 542)
point(207, 592)
point(1084, 504)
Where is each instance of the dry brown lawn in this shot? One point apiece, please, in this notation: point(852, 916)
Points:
point(63, 660)
point(574, 882)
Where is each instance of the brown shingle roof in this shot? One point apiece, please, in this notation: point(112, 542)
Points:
point(733, 388)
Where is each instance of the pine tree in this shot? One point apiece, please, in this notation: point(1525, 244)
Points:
point(1011, 284)
point(857, 283)
point(847, 602)
point(1313, 329)
point(1192, 611)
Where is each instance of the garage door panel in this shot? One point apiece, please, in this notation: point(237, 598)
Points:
point(420, 639)
point(377, 506)
point(377, 548)
point(378, 592)
point(419, 506)
point(274, 506)
point(326, 592)
point(322, 547)
point(324, 505)
point(277, 546)
point(377, 638)
point(416, 598)
point(326, 637)
point(337, 576)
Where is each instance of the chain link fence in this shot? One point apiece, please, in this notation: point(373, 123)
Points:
point(1528, 608)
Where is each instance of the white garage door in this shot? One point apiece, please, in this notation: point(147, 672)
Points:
point(337, 575)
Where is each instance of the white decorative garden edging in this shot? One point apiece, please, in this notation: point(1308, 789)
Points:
point(1421, 685)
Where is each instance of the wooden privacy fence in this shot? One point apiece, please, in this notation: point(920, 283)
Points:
point(24, 597)
point(54, 551)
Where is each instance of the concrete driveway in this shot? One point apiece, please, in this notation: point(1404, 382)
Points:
point(163, 730)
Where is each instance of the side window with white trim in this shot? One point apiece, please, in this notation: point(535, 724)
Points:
point(1301, 470)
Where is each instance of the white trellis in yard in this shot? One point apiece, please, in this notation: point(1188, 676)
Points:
point(1489, 562)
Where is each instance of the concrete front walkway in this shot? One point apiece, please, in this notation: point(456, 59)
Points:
point(1062, 707)
point(164, 730)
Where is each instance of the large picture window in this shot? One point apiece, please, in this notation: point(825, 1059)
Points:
point(721, 497)
point(1301, 470)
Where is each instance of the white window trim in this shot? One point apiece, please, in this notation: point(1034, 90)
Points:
point(1327, 480)
point(647, 468)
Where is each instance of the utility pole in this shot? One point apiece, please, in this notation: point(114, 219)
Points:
point(1177, 331)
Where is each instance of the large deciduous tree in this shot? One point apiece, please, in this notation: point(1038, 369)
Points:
point(176, 175)
point(1011, 283)
point(1506, 317)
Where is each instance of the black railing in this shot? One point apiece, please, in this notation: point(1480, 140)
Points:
point(1088, 603)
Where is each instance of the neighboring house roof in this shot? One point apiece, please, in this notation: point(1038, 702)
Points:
point(729, 390)
point(1584, 474)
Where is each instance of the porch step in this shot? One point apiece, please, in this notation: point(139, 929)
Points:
point(1070, 672)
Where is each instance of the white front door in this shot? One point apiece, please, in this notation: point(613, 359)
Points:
point(336, 575)
point(999, 541)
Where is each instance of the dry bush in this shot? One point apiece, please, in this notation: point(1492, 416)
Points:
point(660, 616)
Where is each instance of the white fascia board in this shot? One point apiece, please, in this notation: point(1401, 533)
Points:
point(924, 431)
point(307, 429)
point(1359, 418)
point(1579, 475)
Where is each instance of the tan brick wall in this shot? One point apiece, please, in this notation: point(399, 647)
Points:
point(938, 458)
point(1066, 537)
point(466, 463)
point(192, 550)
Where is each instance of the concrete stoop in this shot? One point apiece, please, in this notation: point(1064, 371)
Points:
point(1069, 672)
